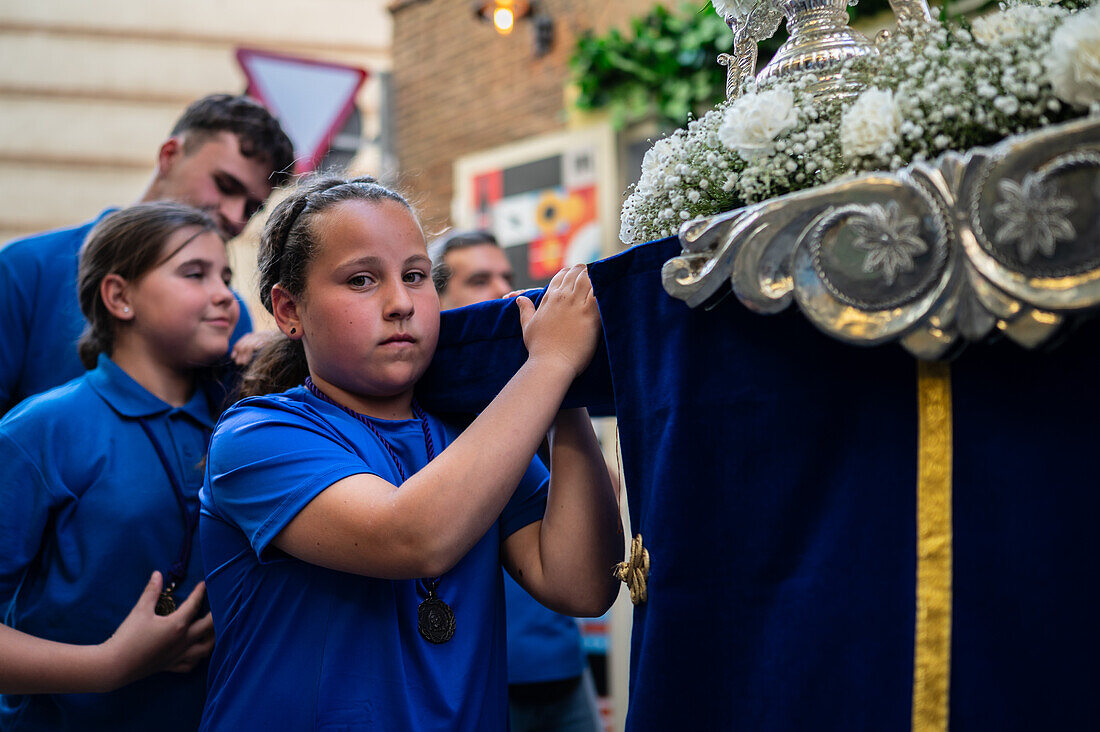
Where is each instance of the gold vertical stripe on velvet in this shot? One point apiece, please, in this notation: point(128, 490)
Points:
point(932, 652)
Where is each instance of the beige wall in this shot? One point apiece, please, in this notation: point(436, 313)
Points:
point(88, 90)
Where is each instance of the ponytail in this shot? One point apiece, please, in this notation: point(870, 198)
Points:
point(280, 365)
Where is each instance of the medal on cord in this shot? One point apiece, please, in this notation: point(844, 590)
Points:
point(435, 619)
point(166, 603)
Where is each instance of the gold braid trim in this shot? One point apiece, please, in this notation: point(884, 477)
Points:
point(932, 644)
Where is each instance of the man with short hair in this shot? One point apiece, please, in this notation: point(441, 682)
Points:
point(469, 267)
point(548, 686)
point(224, 155)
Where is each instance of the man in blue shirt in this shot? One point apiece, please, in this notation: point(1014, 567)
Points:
point(224, 155)
point(547, 686)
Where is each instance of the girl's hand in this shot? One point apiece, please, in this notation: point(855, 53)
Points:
point(566, 326)
point(146, 643)
point(246, 347)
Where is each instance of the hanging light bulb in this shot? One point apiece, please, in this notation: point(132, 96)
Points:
point(503, 19)
point(503, 14)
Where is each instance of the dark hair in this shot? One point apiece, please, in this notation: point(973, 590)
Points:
point(287, 246)
point(128, 243)
point(438, 249)
point(259, 134)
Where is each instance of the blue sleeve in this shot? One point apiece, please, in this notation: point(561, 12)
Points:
point(18, 282)
point(267, 462)
point(528, 503)
point(244, 322)
point(26, 500)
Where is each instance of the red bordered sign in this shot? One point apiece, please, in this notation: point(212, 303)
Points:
point(312, 99)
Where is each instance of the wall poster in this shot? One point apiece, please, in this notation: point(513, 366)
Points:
point(551, 201)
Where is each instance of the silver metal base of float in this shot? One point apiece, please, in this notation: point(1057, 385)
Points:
point(1002, 239)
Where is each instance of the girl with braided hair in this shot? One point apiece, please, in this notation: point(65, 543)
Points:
point(353, 542)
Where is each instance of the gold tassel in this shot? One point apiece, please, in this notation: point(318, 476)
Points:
point(635, 570)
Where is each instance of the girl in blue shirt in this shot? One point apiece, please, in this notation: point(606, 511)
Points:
point(352, 542)
point(99, 482)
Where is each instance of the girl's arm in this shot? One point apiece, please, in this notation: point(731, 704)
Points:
point(365, 525)
point(565, 561)
point(143, 644)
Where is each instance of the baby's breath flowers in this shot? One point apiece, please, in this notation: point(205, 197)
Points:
point(932, 88)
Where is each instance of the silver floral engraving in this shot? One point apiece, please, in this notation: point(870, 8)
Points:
point(889, 238)
point(1034, 216)
point(938, 235)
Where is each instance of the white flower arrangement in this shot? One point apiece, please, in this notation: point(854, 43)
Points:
point(932, 88)
point(1012, 23)
point(736, 9)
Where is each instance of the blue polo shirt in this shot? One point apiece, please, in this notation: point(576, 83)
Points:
point(42, 318)
point(88, 514)
point(302, 647)
point(542, 645)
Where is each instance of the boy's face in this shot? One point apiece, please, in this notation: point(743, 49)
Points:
point(369, 315)
point(213, 176)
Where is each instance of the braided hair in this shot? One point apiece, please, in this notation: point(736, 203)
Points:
point(287, 246)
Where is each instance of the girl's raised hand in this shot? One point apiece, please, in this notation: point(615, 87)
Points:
point(566, 326)
point(146, 642)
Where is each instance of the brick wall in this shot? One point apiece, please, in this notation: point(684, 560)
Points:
point(460, 88)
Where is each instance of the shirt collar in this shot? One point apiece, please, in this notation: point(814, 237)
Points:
point(131, 399)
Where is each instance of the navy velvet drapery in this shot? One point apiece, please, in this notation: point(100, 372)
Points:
point(772, 474)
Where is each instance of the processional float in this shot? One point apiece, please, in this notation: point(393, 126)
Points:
point(836, 537)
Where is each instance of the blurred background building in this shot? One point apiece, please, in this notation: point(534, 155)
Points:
point(476, 124)
point(486, 135)
point(88, 91)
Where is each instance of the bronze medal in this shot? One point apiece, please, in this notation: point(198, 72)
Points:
point(436, 620)
point(166, 604)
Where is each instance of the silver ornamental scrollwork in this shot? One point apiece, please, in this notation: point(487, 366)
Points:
point(997, 240)
point(759, 24)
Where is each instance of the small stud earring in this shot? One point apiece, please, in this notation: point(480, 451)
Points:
point(293, 331)
point(125, 310)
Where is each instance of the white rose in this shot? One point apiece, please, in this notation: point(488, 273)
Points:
point(752, 123)
point(1073, 61)
point(1011, 24)
point(872, 121)
point(737, 8)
